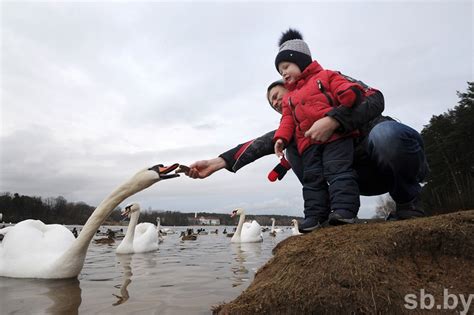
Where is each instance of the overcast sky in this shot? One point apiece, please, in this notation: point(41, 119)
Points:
point(91, 92)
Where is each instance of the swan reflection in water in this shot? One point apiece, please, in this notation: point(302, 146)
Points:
point(245, 256)
point(64, 294)
point(126, 262)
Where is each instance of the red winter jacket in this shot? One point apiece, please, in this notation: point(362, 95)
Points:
point(315, 93)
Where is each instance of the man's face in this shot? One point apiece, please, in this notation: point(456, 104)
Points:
point(275, 96)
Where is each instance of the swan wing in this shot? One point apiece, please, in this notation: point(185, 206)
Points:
point(295, 231)
point(146, 238)
point(251, 232)
point(31, 246)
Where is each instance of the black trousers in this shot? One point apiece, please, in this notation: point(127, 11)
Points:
point(328, 179)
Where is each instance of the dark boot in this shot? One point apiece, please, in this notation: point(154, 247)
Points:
point(408, 210)
point(341, 217)
point(310, 224)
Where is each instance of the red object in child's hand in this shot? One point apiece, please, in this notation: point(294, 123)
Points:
point(279, 171)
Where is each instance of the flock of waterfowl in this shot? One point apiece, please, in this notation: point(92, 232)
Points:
point(144, 237)
point(32, 249)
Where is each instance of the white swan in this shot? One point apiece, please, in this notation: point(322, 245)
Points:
point(33, 249)
point(294, 229)
point(5, 230)
point(166, 231)
point(274, 231)
point(158, 230)
point(246, 232)
point(139, 238)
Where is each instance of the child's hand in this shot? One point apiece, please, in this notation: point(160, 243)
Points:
point(279, 147)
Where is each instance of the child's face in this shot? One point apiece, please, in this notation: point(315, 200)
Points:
point(289, 71)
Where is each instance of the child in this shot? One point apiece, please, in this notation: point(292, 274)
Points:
point(328, 179)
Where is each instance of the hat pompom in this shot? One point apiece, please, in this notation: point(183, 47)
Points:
point(289, 35)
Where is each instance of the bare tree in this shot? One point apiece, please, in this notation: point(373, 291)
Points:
point(384, 207)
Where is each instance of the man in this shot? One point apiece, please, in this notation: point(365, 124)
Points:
point(389, 156)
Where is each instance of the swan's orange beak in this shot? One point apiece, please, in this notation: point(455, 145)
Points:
point(233, 214)
point(164, 171)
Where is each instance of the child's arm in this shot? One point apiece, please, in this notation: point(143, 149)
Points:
point(287, 125)
point(279, 147)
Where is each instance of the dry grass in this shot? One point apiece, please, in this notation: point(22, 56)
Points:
point(363, 268)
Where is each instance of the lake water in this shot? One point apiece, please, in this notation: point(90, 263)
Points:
point(182, 277)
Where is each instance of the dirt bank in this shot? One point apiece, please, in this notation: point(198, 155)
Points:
point(364, 268)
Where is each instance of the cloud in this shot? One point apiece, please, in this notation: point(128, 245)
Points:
point(94, 91)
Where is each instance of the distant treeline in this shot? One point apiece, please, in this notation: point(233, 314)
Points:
point(50, 210)
point(449, 145)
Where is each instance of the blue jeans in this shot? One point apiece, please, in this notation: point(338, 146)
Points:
point(394, 162)
point(390, 159)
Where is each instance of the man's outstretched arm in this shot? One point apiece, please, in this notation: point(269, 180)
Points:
point(235, 158)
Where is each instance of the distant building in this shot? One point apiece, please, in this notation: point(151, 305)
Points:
point(204, 221)
point(208, 221)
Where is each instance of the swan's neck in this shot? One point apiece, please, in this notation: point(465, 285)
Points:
point(273, 226)
point(98, 217)
point(74, 257)
point(240, 225)
point(130, 235)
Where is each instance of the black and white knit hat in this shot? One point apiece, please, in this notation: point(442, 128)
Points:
point(293, 49)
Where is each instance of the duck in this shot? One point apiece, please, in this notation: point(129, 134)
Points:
point(188, 237)
point(246, 232)
point(32, 249)
point(274, 231)
point(141, 238)
point(105, 240)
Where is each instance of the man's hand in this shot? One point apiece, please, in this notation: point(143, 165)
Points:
point(322, 129)
point(279, 147)
point(204, 168)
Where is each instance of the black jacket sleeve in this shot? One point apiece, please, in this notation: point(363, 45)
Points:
point(360, 115)
point(246, 153)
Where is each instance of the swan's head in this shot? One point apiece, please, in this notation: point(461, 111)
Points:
point(294, 222)
point(149, 176)
point(131, 208)
point(272, 219)
point(164, 171)
point(237, 211)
